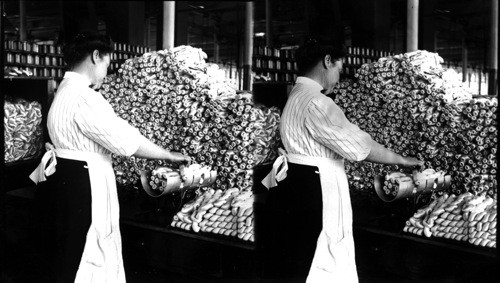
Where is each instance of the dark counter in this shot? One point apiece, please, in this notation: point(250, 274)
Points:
point(149, 240)
point(383, 252)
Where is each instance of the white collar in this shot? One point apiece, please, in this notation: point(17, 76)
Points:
point(313, 85)
point(78, 77)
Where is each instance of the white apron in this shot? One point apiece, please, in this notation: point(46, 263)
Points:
point(102, 255)
point(334, 256)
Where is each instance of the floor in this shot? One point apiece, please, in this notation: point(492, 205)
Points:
point(16, 248)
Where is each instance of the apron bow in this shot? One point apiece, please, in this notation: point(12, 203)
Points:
point(38, 175)
point(278, 173)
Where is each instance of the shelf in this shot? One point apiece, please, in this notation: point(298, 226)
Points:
point(273, 57)
point(128, 53)
point(61, 55)
point(363, 56)
point(29, 78)
point(273, 70)
point(121, 48)
point(120, 61)
point(32, 65)
point(32, 53)
point(353, 65)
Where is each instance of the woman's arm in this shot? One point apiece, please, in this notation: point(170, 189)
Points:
point(328, 125)
point(97, 120)
point(380, 154)
point(149, 150)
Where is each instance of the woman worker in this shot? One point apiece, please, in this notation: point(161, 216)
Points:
point(79, 201)
point(304, 231)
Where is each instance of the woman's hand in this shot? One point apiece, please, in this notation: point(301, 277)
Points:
point(182, 161)
point(411, 161)
point(179, 158)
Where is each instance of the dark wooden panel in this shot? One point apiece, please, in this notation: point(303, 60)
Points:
point(189, 256)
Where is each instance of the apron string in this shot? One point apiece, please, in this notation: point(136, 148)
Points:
point(42, 170)
point(278, 173)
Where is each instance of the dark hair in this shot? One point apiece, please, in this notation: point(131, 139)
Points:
point(314, 50)
point(83, 44)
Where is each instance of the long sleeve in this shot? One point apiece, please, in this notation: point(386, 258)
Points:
point(97, 121)
point(327, 124)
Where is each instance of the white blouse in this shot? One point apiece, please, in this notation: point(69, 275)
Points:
point(81, 119)
point(313, 125)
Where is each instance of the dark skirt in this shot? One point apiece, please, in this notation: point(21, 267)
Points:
point(63, 206)
point(288, 221)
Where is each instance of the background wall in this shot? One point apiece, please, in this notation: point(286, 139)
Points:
point(458, 30)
